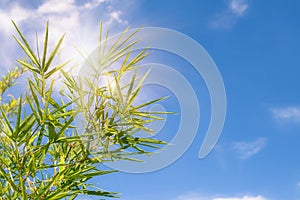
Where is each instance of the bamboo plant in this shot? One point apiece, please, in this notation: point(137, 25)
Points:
point(43, 152)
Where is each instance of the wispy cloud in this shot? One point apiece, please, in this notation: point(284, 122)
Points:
point(196, 196)
point(56, 6)
point(238, 7)
point(290, 114)
point(191, 196)
point(227, 19)
point(243, 198)
point(92, 4)
point(116, 16)
point(248, 149)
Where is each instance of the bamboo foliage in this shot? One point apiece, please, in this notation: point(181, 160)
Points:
point(43, 154)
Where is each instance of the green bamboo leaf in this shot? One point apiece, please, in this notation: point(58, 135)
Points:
point(65, 127)
point(124, 64)
point(19, 115)
point(150, 145)
point(37, 80)
point(121, 44)
point(136, 90)
point(60, 109)
point(35, 98)
point(158, 112)
point(149, 103)
point(100, 193)
point(30, 67)
point(27, 49)
point(110, 89)
point(48, 96)
point(25, 133)
point(119, 92)
point(146, 115)
point(52, 132)
point(6, 122)
point(140, 56)
point(52, 55)
point(66, 114)
point(132, 98)
point(45, 47)
point(91, 174)
point(116, 44)
point(150, 140)
point(28, 100)
point(110, 59)
point(55, 69)
point(143, 128)
point(140, 150)
point(104, 47)
point(25, 127)
point(32, 57)
point(60, 195)
point(130, 86)
point(100, 39)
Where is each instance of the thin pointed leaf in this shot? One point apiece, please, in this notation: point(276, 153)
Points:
point(56, 69)
point(45, 46)
point(35, 98)
point(7, 123)
point(30, 67)
point(52, 55)
point(65, 127)
point(18, 115)
point(119, 92)
point(27, 49)
point(149, 103)
point(137, 90)
point(130, 86)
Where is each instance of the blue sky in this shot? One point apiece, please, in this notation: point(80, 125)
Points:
point(255, 45)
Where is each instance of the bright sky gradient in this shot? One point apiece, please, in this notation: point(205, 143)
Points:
point(255, 45)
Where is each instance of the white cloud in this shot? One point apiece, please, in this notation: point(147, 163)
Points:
point(92, 4)
point(248, 149)
point(242, 198)
point(115, 16)
point(287, 114)
point(239, 7)
point(196, 196)
point(15, 12)
point(57, 6)
point(191, 196)
point(228, 18)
